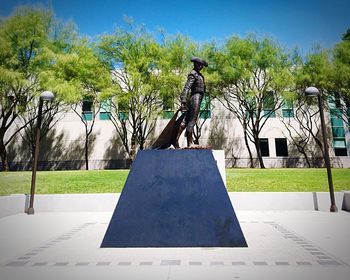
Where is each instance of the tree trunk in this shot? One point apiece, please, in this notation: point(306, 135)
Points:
point(142, 143)
point(133, 148)
point(87, 153)
point(258, 152)
point(302, 151)
point(249, 151)
point(3, 155)
point(320, 145)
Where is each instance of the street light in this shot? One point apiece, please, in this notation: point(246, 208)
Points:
point(44, 96)
point(313, 91)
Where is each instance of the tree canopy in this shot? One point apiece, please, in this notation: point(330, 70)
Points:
point(250, 76)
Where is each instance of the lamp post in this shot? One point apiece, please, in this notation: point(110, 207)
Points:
point(313, 91)
point(44, 96)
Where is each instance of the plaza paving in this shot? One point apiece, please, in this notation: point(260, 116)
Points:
point(281, 245)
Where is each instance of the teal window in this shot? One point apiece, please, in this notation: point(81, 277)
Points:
point(168, 114)
point(104, 116)
point(288, 113)
point(340, 147)
point(338, 131)
point(87, 116)
point(336, 112)
point(105, 110)
point(123, 111)
point(269, 113)
point(339, 143)
point(287, 109)
point(268, 105)
point(87, 109)
point(123, 116)
point(248, 114)
point(334, 101)
point(337, 121)
point(205, 112)
point(168, 107)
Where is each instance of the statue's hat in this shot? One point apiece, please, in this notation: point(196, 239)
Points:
point(199, 60)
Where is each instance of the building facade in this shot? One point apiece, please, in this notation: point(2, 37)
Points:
point(64, 146)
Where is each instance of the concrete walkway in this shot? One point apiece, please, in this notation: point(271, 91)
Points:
point(281, 245)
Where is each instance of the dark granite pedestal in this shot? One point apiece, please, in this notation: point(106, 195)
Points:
point(174, 198)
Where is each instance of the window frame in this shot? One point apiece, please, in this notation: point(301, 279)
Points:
point(264, 141)
point(281, 151)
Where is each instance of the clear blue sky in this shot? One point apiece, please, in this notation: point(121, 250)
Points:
point(292, 22)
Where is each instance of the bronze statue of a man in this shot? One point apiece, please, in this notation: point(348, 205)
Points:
point(191, 98)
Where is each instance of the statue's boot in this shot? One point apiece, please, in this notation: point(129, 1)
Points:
point(181, 129)
point(189, 139)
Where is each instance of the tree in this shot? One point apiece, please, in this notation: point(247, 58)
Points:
point(85, 81)
point(63, 38)
point(143, 78)
point(315, 70)
point(252, 75)
point(32, 42)
point(346, 35)
point(175, 65)
point(95, 79)
point(24, 44)
point(308, 126)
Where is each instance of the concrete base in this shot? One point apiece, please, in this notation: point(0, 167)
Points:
point(346, 201)
point(14, 204)
point(324, 202)
point(174, 198)
point(272, 200)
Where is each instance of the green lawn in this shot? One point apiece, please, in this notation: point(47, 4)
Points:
point(79, 181)
point(240, 180)
point(286, 180)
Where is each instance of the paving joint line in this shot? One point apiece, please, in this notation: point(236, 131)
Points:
point(308, 246)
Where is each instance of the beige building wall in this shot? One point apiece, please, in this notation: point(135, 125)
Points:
point(64, 146)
